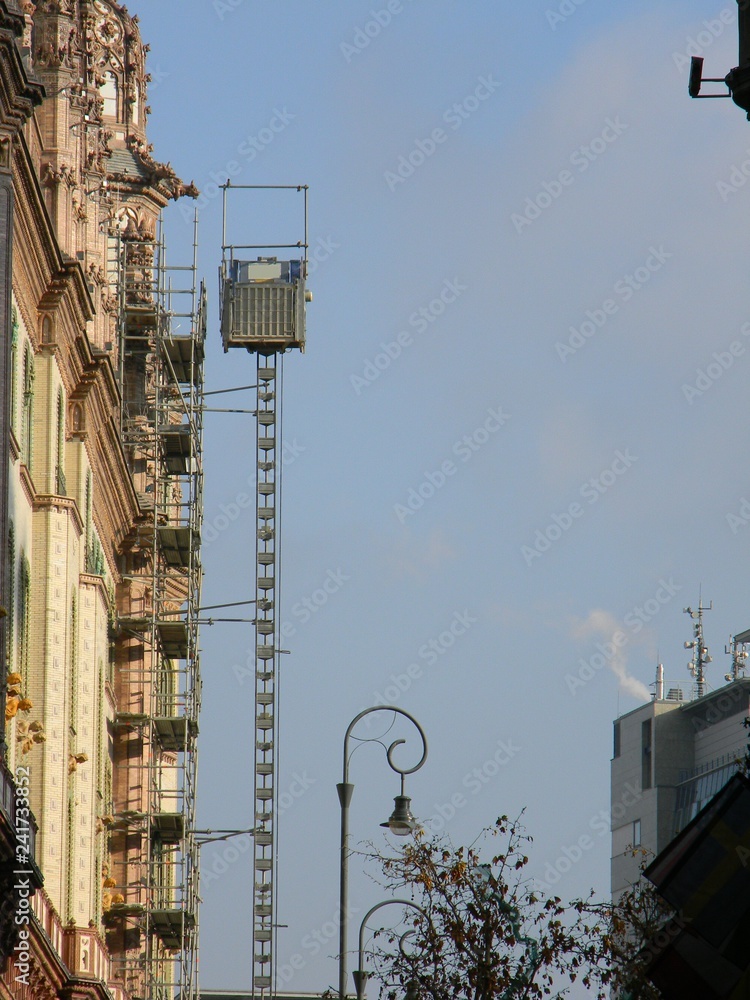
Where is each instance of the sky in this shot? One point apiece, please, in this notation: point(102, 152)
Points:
point(519, 428)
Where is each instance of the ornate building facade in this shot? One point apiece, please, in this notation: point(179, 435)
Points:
point(100, 508)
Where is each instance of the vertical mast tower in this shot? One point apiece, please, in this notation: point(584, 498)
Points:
point(701, 658)
point(262, 306)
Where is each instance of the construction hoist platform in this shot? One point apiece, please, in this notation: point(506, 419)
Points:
point(262, 304)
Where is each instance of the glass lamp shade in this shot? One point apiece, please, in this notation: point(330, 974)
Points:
point(401, 822)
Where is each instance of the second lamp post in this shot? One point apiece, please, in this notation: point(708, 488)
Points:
point(400, 823)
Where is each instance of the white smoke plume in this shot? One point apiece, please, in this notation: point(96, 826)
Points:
point(602, 625)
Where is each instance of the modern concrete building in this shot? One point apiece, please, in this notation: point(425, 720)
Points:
point(670, 757)
point(100, 514)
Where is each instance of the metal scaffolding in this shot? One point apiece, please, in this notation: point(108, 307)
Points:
point(153, 923)
point(262, 303)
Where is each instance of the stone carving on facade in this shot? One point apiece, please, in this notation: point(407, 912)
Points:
point(27, 8)
point(159, 174)
point(5, 151)
point(41, 988)
point(108, 302)
point(63, 174)
point(79, 209)
point(65, 7)
point(97, 275)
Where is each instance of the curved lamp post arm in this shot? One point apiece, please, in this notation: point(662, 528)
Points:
point(389, 750)
point(401, 815)
point(360, 975)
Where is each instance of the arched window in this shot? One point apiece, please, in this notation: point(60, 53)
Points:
point(47, 335)
point(135, 110)
point(27, 420)
point(76, 418)
point(109, 93)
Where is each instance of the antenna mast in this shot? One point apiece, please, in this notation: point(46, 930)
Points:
point(700, 651)
point(736, 649)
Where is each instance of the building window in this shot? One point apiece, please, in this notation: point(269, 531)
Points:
point(76, 418)
point(109, 92)
point(646, 755)
point(636, 833)
point(47, 335)
point(135, 110)
point(618, 741)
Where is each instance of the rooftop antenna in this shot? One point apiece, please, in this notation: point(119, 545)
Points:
point(736, 649)
point(700, 650)
point(737, 80)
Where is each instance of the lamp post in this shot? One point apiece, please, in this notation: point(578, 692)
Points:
point(401, 822)
point(360, 975)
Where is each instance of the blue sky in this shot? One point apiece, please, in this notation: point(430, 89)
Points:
point(573, 239)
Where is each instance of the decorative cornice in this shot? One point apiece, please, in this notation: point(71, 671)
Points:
point(27, 484)
point(97, 582)
point(47, 501)
point(68, 280)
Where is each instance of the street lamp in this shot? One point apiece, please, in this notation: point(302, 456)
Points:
point(361, 975)
point(400, 823)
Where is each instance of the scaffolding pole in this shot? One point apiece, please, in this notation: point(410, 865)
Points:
point(160, 371)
